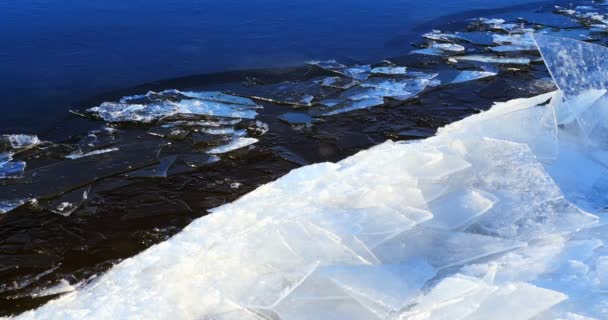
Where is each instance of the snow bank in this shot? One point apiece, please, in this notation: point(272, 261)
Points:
point(496, 217)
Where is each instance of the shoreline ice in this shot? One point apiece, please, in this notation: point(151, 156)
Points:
point(480, 221)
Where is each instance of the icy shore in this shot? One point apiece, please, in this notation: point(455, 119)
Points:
point(498, 216)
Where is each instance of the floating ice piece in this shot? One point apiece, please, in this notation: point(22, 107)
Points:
point(170, 102)
point(217, 109)
point(352, 105)
point(337, 82)
point(21, 141)
point(401, 89)
point(477, 37)
point(220, 97)
point(467, 75)
point(235, 144)
point(441, 49)
point(74, 156)
point(514, 42)
point(389, 70)
point(123, 112)
point(494, 59)
point(296, 118)
point(358, 72)
point(12, 169)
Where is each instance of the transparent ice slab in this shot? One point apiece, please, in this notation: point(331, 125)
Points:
point(441, 248)
point(580, 71)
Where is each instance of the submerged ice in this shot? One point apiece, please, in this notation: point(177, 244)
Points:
point(480, 221)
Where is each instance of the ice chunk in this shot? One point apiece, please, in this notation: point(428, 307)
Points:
point(235, 144)
point(390, 287)
point(465, 76)
point(580, 71)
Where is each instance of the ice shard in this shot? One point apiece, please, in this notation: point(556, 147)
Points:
point(580, 71)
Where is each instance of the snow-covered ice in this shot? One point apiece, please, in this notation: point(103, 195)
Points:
point(498, 216)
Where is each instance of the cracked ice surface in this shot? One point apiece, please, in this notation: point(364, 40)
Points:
point(477, 222)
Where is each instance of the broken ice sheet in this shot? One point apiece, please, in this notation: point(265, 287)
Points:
point(391, 70)
point(235, 144)
point(352, 105)
point(514, 42)
point(10, 169)
point(172, 102)
point(399, 89)
point(493, 59)
point(337, 82)
point(467, 75)
point(296, 118)
point(475, 37)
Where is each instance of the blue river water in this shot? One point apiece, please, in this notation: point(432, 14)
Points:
point(55, 52)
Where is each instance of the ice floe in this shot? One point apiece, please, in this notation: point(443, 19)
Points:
point(480, 221)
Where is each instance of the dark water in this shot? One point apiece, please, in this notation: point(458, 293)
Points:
point(54, 53)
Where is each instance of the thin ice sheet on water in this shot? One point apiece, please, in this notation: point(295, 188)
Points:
point(235, 144)
point(20, 141)
point(357, 72)
point(10, 169)
point(494, 59)
point(155, 106)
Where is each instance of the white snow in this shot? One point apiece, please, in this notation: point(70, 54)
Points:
point(498, 216)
